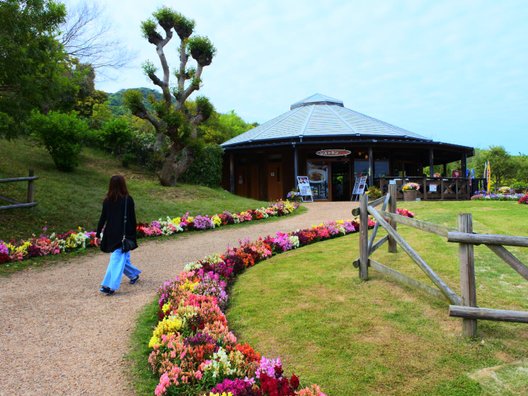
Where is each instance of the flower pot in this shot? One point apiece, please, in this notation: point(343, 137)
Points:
point(410, 195)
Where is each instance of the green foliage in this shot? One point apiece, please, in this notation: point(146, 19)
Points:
point(222, 127)
point(184, 27)
point(62, 134)
point(33, 64)
point(149, 68)
point(501, 164)
point(204, 107)
point(133, 99)
point(116, 135)
point(101, 113)
point(165, 17)
point(202, 50)
point(148, 28)
point(373, 192)
point(206, 169)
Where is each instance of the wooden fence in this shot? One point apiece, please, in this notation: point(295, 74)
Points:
point(464, 306)
point(29, 196)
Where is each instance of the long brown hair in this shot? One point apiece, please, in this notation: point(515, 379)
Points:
point(116, 189)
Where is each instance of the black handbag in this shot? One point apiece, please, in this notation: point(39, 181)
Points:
point(127, 244)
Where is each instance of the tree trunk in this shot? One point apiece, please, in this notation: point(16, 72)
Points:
point(176, 163)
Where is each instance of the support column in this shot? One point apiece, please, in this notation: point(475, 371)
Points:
point(463, 166)
point(295, 164)
point(231, 173)
point(371, 166)
point(445, 171)
point(431, 162)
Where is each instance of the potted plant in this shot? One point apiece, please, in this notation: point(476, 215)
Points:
point(410, 191)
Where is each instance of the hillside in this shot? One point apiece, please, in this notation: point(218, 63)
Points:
point(69, 200)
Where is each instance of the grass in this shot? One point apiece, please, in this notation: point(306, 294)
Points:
point(142, 378)
point(69, 200)
point(378, 337)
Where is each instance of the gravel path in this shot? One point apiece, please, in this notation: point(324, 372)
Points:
point(59, 335)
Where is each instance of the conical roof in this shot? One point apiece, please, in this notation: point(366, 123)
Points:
point(321, 116)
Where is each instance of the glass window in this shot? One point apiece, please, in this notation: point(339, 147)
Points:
point(361, 168)
point(381, 168)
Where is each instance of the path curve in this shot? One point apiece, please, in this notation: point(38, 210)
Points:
point(59, 335)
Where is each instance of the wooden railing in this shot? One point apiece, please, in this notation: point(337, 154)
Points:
point(464, 306)
point(434, 188)
point(29, 196)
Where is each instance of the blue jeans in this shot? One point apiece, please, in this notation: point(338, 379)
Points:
point(119, 264)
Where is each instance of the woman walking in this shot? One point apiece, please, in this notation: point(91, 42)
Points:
point(118, 226)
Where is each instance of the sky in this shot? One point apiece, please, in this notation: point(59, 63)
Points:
point(453, 71)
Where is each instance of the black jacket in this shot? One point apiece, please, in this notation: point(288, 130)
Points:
point(112, 221)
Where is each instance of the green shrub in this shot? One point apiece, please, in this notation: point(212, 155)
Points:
point(206, 168)
point(116, 135)
point(62, 135)
point(520, 186)
point(373, 192)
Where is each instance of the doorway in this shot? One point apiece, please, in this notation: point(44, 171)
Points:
point(340, 181)
point(275, 181)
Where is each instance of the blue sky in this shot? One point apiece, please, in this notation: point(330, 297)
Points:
point(453, 71)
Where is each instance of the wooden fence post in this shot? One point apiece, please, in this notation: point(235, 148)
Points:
point(467, 274)
point(393, 191)
point(31, 187)
point(363, 237)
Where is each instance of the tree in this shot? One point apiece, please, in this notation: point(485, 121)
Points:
point(32, 61)
point(85, 35)
point(221, 127)
point(502, 166)
point(171, 117)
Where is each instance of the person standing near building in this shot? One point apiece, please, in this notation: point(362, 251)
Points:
point(117, 222)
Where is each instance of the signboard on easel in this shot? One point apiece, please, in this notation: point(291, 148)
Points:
point(304, 188)
point(359, 187)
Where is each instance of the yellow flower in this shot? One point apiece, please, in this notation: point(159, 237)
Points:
point(154, 341)
point(188, 285)
point(168, 325)
point(166, 307)
point(217, 221)
point(176, 220)
point(190, 218)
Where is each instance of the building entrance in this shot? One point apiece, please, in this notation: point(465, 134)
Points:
point(341, 188)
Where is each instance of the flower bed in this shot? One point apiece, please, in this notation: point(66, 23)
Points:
point(80, 239)
point(193, 350)
point(497, 197)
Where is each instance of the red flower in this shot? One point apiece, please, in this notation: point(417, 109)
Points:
point(294, 381)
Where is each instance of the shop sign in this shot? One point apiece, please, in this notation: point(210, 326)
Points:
point(333, 153)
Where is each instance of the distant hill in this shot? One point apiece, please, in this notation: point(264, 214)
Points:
point(115, 100)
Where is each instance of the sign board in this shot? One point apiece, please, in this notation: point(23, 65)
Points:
point(304, 187)
point(333, 153)
point(359, 187)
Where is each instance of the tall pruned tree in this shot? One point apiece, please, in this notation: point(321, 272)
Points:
point(171, 117)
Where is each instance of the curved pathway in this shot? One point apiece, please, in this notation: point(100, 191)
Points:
point(59, 335)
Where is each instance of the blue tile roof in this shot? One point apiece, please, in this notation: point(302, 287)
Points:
point(321, 116)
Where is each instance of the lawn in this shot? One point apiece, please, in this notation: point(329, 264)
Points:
point(69, 200)
point(377, 337)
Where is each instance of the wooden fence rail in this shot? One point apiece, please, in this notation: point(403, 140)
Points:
point(464, 306)
point(29, 196)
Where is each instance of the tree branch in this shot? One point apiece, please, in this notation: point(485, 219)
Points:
point(165, 66)
point(191, 88)
point(181, 76)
